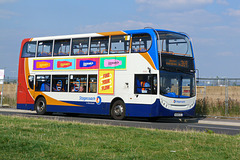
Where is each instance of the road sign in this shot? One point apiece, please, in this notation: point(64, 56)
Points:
point(1, 73)
point(1, 76)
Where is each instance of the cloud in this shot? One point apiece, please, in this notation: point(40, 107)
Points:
point(5, 14)
point(222, 2)
point(188, 21)
point(114, 26)
point(233, 12)
point(174, 4)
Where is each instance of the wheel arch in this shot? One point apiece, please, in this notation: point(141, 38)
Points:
point(113, 101)
point(39, 96)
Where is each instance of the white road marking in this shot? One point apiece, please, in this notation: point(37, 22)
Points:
point(219, 123)
point(222, 128)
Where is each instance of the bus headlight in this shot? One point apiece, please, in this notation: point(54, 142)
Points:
point(191, 105)
point(164, 104)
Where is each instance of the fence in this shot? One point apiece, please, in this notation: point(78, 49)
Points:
point(215, 96)
point(218, 97)
point(9, 91)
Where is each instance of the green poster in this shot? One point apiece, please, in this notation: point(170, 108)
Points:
point(113, 62)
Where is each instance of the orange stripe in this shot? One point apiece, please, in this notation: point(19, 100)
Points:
point(149, 59)
point(52, 101)
point(31, 92)
point(112, 33)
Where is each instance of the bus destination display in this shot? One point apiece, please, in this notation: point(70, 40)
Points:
point(177, 63)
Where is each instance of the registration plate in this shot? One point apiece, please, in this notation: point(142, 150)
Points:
point(178, 114)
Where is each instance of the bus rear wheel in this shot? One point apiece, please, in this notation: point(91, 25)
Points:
point(118, 110)
point(41, 106)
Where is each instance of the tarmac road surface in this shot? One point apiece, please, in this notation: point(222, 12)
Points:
point(220, 126)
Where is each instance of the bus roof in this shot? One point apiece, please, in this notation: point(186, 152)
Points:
point(125, 32)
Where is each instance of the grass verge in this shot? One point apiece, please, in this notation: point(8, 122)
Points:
point(208, 106)
point(29, 138)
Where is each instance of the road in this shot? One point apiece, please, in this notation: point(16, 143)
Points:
point(229, 127)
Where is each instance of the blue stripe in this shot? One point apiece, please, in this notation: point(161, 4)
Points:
point(25, 106)
point(132, 110)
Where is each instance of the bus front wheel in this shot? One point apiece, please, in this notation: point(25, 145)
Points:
point(41, 106)
point(118, 110)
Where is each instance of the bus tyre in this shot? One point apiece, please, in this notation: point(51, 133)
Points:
point(118, 110)
point(41, 106)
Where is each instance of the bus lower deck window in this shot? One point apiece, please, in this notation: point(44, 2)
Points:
point(92, 83)
point(78, 83)
point(42, 83)
point(60, 83)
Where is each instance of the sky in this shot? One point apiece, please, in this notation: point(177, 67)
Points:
point(213, 25)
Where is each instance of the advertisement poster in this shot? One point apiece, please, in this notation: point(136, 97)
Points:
point(43, 65)
point(106, 82)
point(87, 63)
point(64, 64)
point(113, 62)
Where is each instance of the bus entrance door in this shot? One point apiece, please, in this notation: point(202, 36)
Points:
point(30, 92)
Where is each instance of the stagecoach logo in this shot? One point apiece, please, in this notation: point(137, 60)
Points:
point(87, 98)
point(98, 100)
point(175, 101)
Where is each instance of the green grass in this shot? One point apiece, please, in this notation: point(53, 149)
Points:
point(29, 138)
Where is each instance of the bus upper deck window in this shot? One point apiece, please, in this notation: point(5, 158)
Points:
point(120, 44)
point(175, 44)
point(141, 43)
point(61, 47)
point(29, 49)
point(99, 45)
point(80, 46)
point(44, 48)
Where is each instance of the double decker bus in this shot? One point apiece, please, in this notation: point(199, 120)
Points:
point(131, 73)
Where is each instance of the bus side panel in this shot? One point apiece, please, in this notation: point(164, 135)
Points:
point(154, 110)
point(91, 108)
point(24, 99)
point(143, 110)
point(25, 106)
